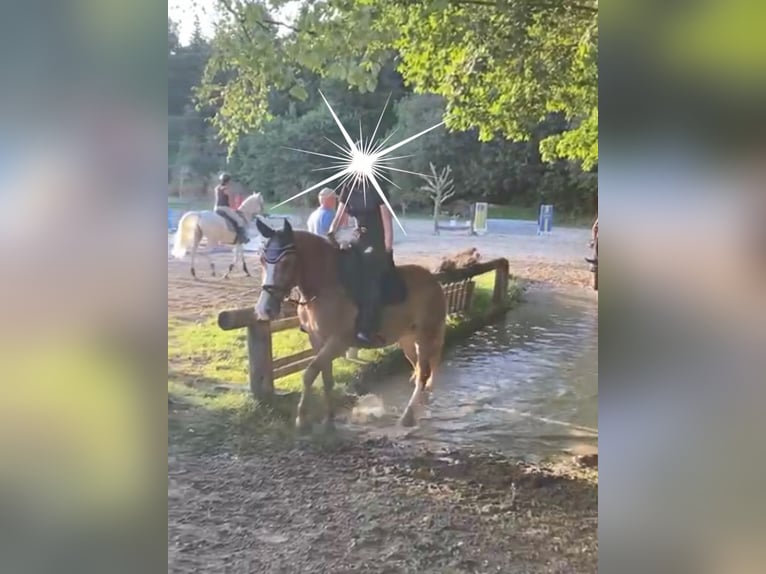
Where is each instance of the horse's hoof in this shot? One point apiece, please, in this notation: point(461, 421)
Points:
point(226, 276)
point(408, 419)
point(247, 274)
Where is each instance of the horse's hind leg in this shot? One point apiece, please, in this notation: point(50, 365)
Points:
point(195, 246)
point(422, 374)
point(435, 357)
point(411, 352)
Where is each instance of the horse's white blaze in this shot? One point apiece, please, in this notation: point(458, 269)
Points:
point(262, 306)
point(268, 277)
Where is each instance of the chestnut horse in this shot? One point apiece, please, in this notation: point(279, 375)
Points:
point(328, 314)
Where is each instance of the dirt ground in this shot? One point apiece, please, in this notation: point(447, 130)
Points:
point(373, 507)
point(348, 505)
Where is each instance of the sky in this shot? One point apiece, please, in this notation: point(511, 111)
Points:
point(184, 11)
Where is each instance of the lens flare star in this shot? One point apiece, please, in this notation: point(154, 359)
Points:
point(361, 163)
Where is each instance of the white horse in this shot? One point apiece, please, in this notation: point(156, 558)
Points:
point(194, 225)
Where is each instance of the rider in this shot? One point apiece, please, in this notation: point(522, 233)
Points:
point(594, 242)
point(223, 202)
point(375, 239)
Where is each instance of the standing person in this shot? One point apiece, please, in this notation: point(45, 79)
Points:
point(321, 218)
point(224, 200)
point(375, 240)
point(594, 242)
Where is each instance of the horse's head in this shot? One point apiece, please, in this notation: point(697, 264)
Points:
point(280, 269)
point(252, 205)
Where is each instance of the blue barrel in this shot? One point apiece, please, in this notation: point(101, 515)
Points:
point(545, 219)
point(171, 222)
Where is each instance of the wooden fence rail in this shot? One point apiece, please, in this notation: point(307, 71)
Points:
point(264, 369)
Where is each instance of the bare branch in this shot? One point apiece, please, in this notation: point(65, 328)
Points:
point(264, 23)
point(239, 19)
point(501, 4)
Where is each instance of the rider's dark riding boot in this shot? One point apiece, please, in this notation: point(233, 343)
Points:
point(242, 235)
point(369, 311)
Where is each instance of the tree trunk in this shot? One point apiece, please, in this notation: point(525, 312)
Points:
point(437, 206)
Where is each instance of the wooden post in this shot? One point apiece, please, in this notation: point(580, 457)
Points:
point(260, 359)
point(500, 291)
point(468, 296)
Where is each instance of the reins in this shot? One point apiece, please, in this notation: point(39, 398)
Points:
point(298, 302)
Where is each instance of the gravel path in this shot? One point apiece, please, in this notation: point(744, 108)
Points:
point(374, 507)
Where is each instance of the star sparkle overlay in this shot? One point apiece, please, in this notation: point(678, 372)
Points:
point(361, 162)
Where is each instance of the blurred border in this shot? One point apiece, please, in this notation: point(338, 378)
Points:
point(83, 323)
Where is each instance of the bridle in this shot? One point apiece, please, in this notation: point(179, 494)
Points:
point(272, 257)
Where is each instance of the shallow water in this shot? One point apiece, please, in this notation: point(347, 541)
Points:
point(527, 386)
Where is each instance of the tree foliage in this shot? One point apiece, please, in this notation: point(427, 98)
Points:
point(499, 171)
point(502, 66)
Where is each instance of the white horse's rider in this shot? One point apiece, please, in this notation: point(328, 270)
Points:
point(223, 208)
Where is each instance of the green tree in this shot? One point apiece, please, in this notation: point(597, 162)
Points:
point(502, 65)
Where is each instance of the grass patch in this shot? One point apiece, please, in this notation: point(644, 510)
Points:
point(512, 212)
point(201, 356)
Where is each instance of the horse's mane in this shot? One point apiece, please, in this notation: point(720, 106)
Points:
point(318, 261)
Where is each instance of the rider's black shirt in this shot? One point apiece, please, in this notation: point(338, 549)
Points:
point(221, 199)
point(364, 205)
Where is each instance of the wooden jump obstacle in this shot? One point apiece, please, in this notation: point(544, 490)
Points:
point(264, 368)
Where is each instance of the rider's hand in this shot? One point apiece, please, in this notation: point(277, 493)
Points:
point(332, 238)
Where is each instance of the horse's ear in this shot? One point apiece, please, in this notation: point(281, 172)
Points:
point(287, 228)
point(264, 229)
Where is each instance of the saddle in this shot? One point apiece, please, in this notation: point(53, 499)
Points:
point(236, 227)
point(351, 271)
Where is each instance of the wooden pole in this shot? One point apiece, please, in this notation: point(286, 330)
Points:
point(260, 359)
point(500, 291)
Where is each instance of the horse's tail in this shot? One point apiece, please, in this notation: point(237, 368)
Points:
point(184, 238)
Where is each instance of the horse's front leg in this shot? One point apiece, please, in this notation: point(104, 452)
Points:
point(244, 263)
point(237, 251)
point(331, 349)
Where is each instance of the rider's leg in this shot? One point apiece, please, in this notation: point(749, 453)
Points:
point(368, 320)
point(239, 230)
